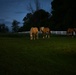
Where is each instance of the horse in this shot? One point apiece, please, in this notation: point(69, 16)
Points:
point(33, 33)
point(71, 31)
point(45, 31)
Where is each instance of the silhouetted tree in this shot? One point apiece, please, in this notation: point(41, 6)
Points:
point(63, 14)
point(40, 18)
point(37, 6)
point(15, 26)
point(37, 19)
point(3, 28)
point(27, 22)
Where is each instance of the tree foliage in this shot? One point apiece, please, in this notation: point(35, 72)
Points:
point(15, 26)
point(33, 9)
point(37, 19)
point(3, 28)
point(63, 14)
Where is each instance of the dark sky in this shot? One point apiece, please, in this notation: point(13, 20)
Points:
point(17, 9)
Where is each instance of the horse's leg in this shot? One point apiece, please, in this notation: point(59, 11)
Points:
point(34, 36)
point(31, 36)
point(37, 35)
point(49, 35)
point(43, 35)
point(68, 33)
point(46, 35)
point(74, 33)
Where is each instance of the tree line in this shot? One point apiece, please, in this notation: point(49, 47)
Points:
point(62, 16)
point(3, 28)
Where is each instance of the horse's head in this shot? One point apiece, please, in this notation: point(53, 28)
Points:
point(41, 29)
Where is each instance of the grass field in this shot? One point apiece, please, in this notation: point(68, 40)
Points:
point(21, 56)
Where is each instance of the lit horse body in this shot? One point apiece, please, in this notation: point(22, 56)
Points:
point(45, 31)
point(71, 31)
point(34, 33)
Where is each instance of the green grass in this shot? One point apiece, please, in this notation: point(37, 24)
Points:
point(21, 56)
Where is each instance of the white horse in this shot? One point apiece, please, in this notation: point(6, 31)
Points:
point(45, 31)
point(33, 33)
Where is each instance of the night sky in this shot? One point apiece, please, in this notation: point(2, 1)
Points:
point(17, 9)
